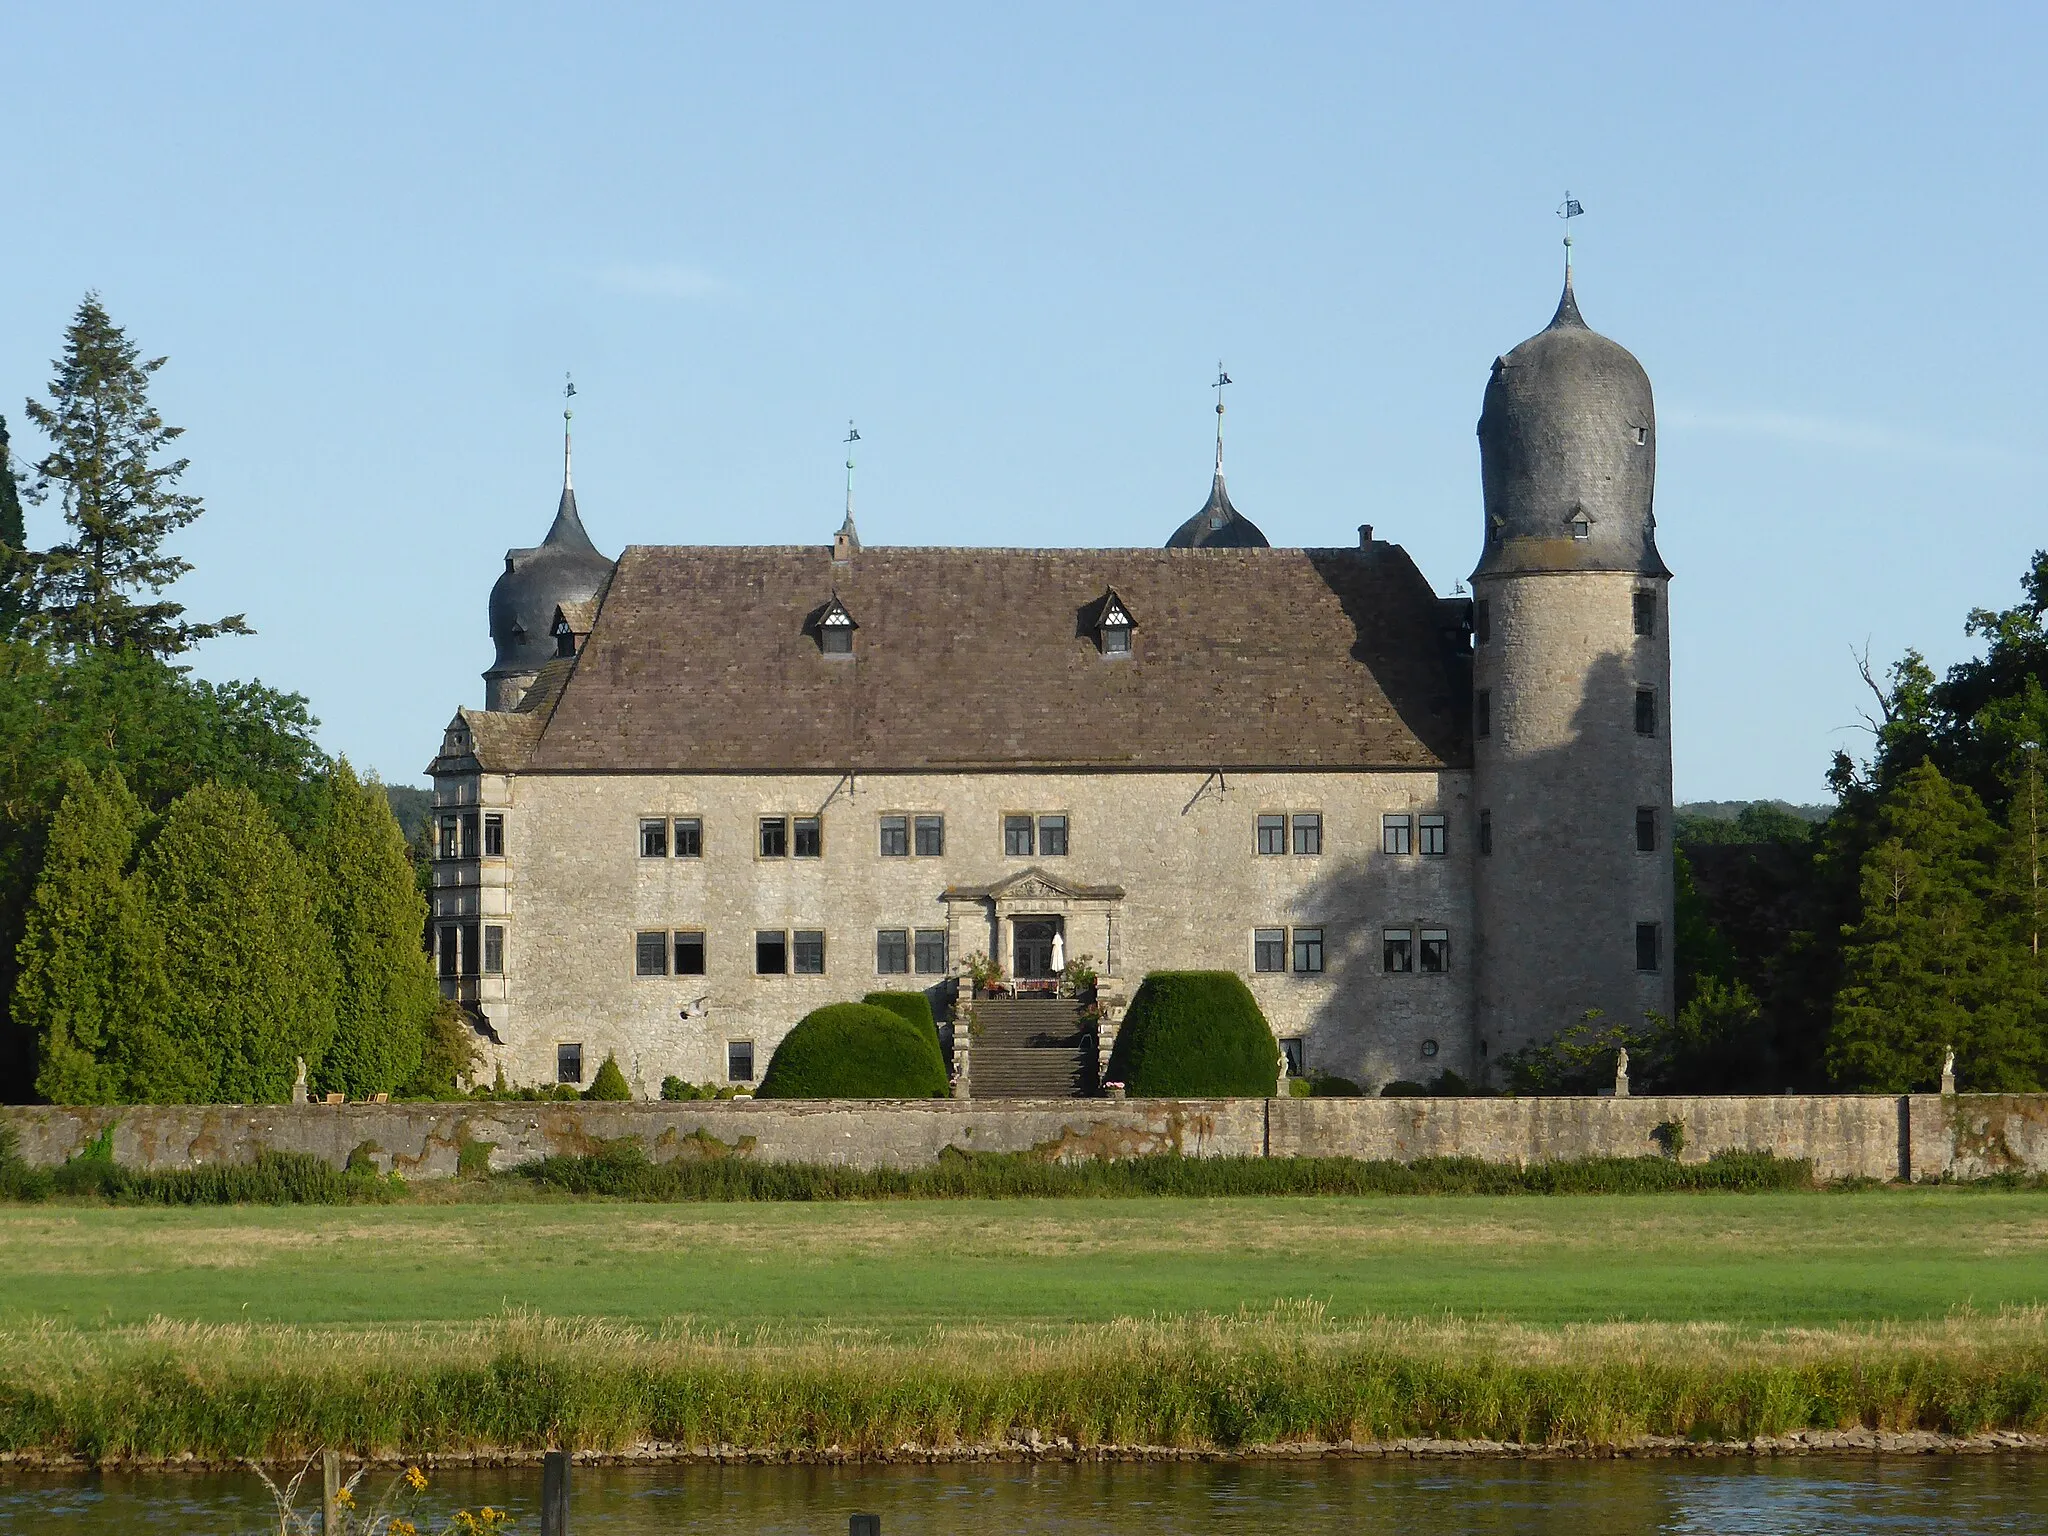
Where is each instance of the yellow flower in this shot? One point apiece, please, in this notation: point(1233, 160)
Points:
point(415, 1479)
point(401, 1528)
point(344, 1498)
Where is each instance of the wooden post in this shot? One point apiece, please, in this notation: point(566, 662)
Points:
point(864, 1525)
point(330, 1493)
point(554, 1494)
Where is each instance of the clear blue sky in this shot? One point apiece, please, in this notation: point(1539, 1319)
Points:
point(1013, 242)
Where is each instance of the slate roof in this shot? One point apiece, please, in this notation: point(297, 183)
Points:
point(1219, 525)
point(699, 661)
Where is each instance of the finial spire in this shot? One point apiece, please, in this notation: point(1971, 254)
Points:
point(1568, 210)
point(568, 394)
point(1222, 378)
point(852, 437)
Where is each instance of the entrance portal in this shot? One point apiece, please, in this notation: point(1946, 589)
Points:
point(1032, 941)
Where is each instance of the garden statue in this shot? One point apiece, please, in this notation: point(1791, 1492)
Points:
point(299, 1083)
point(1948, 1072)
point(1621, 1073)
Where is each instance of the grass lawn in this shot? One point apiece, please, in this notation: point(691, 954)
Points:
point(1752, 1259)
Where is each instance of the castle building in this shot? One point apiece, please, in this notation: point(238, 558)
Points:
point(716, 786)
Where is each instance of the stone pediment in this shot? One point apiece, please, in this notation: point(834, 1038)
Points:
point(1035, 884)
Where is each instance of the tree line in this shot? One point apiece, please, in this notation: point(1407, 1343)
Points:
point(193, 896)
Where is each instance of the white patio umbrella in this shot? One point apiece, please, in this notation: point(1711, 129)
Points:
point(1059, 953)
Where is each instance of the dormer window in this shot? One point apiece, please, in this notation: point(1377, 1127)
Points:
point(1581, 524)
point(1113, 625)
point(834, 628)
point(565, 638)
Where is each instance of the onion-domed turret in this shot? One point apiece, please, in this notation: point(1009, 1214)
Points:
point(1568, 454)
point(564, 568)
point(1218, 525)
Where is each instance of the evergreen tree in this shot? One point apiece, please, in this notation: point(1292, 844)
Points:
point(250, 966)
point(120, 505)
point(14, 567)
point(91, 987)
point(1929, 966)
point(385, 994)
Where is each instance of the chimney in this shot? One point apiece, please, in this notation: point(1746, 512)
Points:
point(1365, 535)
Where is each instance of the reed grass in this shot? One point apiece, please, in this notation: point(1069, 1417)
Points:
point(1289, 1375)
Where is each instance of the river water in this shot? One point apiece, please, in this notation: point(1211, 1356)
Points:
point(1785, 1497)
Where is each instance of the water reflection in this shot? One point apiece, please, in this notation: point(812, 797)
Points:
point(1790, 1497)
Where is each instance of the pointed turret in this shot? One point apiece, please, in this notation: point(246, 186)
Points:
point(1219, 525)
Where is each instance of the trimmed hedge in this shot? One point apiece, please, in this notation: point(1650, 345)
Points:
point(914, 1006)
point(1195, 1034)
point(609, 1084)
point(855, 1051)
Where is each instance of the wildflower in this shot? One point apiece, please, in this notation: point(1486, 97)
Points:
point(344, 1498)
point(415, 1479)
point(401, 1527)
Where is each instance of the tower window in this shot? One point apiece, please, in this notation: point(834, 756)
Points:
point(494, 837)
point(1486, 834)
point(1642, 435)
point(1482, 712)
point(1646, 711)
point(1397, 951)
point(1647, 946)
point(1436, 951)
point(494, 951)
point(1482, 621)
point(1646, 829)
point(1646, 613)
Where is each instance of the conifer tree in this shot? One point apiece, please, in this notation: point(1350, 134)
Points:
point(385, 992)
point(14, 567)
point(249, 963)
point(1930, 966)
point(94, 589)
point(91, 985)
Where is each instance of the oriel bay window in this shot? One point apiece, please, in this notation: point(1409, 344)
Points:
point(469, 834)
point(494, 836)
point(451, 831)
point(494, 950)
point(450, 949)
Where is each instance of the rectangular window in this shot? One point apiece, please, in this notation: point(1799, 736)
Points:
point(1294, 1052)
point(451, 829)
point(653, 838)
point(1482, 621)
point(1482, 712)
point(494, 837)
point(837, 640)
point(1308, 833)
point(650, 954)
point(809, 952)
point(1116, 639)
point(1486, 834)
point(494, 951)
point(689, 952)
point(774, 837)
point(1436, 951)
point(689, 837)
point(1646, 829)
point(472, 949)
point(1434, 835)
point(931, 836)
point(931, 951)
point(1272, 834)
point(469, 835)
point(771, 953)
point(1394, 834)
point(895, 837)
point(810, 837)
point(1397, 951)
point(1647, 937)
point(892, 951)
point(568, 1063)
point(1017, 842)
point(1646, 613)
point(1646, 711)
point(451, 950)
point(1269, 949)
point(739, 1061)
point(1308, 951)
point(1052, 837)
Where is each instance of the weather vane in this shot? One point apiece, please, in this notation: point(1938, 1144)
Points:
point(1568, 210)
point(852, 437)
point(1222, 378)
point(568, 394)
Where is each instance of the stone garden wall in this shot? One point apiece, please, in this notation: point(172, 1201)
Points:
point(1870, 1136)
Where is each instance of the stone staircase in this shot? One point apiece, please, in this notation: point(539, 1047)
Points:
point(1030, 1048)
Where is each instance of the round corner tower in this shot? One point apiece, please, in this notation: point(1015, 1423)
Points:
point(1571, 693)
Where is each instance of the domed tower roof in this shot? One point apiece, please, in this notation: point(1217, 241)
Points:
point(1218, 525)
point(565, 567)
point(1568, 454)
